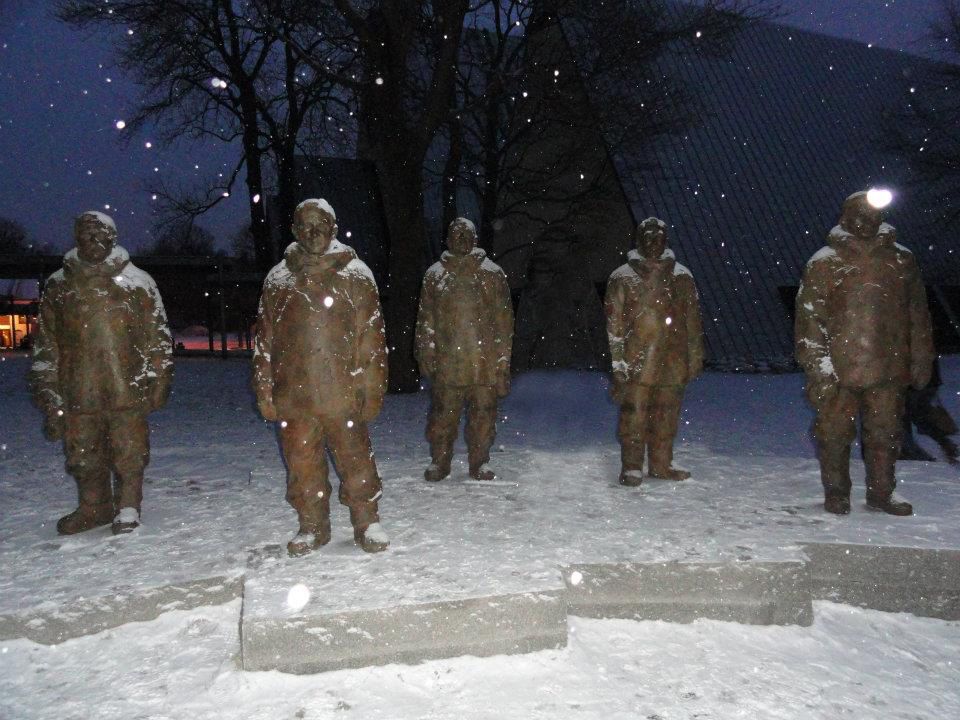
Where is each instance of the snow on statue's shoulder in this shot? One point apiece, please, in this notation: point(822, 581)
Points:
point(622, 272)
point(132, 276)
point(435, 270)
point(822, 254)
point(679, 269)
point(279, 274)
point(490, 265)
point(902, 248)
point(358, 268)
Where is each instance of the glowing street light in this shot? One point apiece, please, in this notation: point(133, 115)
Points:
point(879, 197)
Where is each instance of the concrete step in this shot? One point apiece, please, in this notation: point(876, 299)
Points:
point(312, 642)
point(922, 581)
point(52, 624)
point(761, 593)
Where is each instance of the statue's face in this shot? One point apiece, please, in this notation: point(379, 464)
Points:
point(651, 241)
point(94, 240)
point(461, 237)
point(314, 229)
point(861, 220)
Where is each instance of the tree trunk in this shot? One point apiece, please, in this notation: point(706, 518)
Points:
point(451, 174)
point(397, 141)
point(263, 246)
point(491, 174)
point(400, 188)
point(287, 191)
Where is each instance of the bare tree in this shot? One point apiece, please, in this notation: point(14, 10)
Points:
point(549, 89)
point(14, 239)
point(396, 59)
point(217, 69)
point(242, 247)
point(184, 239)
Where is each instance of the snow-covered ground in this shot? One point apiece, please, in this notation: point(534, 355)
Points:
point(850, 664)
point(215, 490)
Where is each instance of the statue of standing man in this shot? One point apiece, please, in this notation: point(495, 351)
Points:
point(463, 341)
point(863, 335)
point(320, 370)
point(656, 344)
point(101, 363)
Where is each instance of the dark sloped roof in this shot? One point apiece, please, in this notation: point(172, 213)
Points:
point(792, 125)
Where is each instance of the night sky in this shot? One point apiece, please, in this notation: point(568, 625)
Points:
point(61, 152)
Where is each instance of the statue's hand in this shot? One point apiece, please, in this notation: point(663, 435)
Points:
point(268, 410)
point(158, 395)
point(695, 370)
point(428, 368)
point(370, 407)
point(920, 377)
point(618, 386)
point(821, 391)
point(53, 425)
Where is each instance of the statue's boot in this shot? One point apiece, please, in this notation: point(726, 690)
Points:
point(95, 504)
point(479, 435)
point(835, 476)
point(881, 461)
point(127, 499)
point(85, 517)
point(631, 463)
point(368, 533)
point(314, 528)
point(478, 457)
point(439, 467)
point(661, 460)
point(482, 471)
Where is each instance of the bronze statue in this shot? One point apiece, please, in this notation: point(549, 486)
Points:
point(320, 368)
point(656, 345)
point(863, 336)
point(101, 364)
point(463, 341)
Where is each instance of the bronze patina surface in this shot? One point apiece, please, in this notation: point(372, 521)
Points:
point(863, 335)
point(101, 363)
point(464, 338)
point(656, 345)
point(320, 370)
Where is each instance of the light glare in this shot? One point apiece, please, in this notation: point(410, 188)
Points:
point(879, 198)
point(298, 597)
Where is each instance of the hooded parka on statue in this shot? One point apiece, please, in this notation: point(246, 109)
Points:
point(320, 368)
point(464, 337)
point(863, 335)
point(101, 363)
point(656, 345)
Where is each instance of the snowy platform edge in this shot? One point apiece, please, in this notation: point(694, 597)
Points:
point(755, 593)
point(90, 615)
point(501, 625)
point(921, 581)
